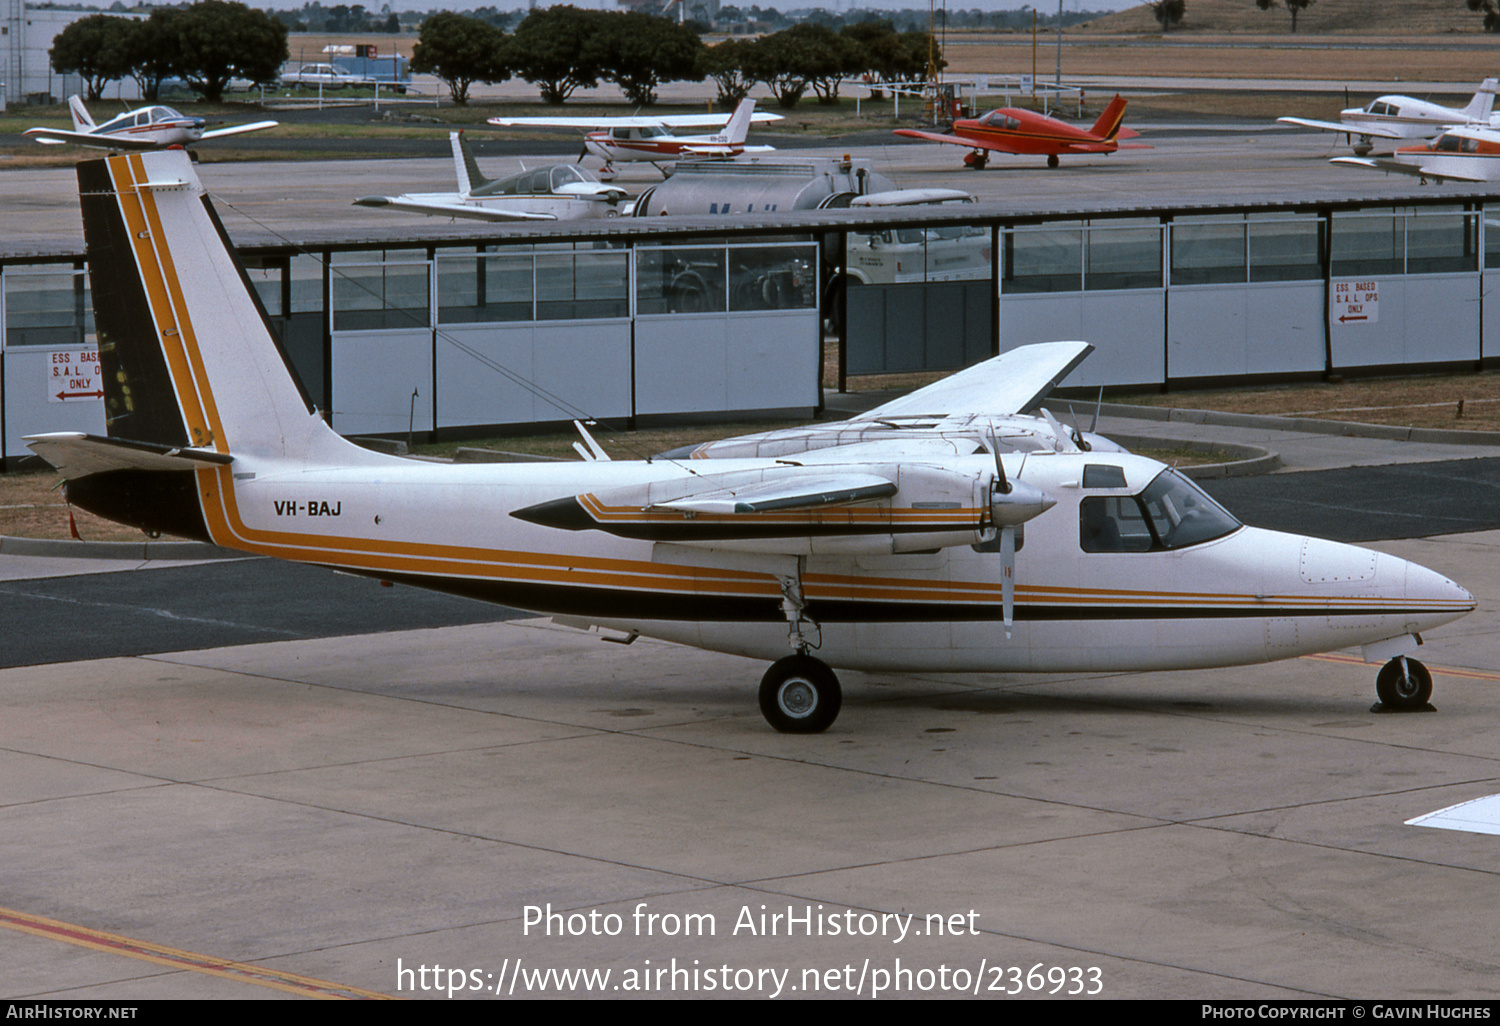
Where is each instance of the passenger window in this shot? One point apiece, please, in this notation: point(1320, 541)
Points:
point(1099, 475)
point(1112, 524)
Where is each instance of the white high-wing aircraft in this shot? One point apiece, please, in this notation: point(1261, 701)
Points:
point(1459, 154)
point(555, 192)
point(150, 128)
point(650, 138)
point(1405, 117)
point(944, 531)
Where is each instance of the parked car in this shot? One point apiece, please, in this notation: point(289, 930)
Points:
point(326, 75)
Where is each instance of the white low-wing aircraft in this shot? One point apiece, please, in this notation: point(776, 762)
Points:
point(650, 138)
point(552, 192)
point(1459, 155)
point(944, 531)
point(150, 128)
point(1405, 117)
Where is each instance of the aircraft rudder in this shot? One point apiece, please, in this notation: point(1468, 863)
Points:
point(1110, 120)
point(82, 121)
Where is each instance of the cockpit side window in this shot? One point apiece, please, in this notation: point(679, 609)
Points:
point(1172, 513)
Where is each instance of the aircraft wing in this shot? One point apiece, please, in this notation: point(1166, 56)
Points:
point(77, 454)
point(254, 126)
point(1401, 167)
point(439, 208)
point(633, 121)
point(57, 136)
point(1337, 126)
point(1009, 383)
point(956, 140)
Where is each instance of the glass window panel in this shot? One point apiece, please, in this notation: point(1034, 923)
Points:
point(1491, 240)
point(1124, 258)
point(1368, 245)
point(267, 284)
point(1438, 244)
point(485, 288)
point(48, 308)
point(1205, 254)
point(574, 286)
point(680, 281)
point(1048, 260)
point(1285, 250)
point(307, 284)
point(773, 278)
point(373, 296)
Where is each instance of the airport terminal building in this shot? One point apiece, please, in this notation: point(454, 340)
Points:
point(453, 330)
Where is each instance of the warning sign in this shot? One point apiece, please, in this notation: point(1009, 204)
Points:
point(74, 375)
point(1356, 302)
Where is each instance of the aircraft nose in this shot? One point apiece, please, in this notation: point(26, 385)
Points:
point(1432, 594)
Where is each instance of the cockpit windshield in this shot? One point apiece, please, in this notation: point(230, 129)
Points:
point(1171, 513)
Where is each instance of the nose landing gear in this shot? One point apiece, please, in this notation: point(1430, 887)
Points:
point(800, 695)
point(1404, 685)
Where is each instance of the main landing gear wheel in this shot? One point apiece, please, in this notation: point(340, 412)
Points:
point(1404, 685)
point(800, 695)
point(1052, 160)
point(976, 161)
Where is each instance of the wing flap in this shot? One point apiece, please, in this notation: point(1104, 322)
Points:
point(77, 454)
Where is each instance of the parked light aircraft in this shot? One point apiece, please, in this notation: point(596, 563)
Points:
point(555, 192)
point(943, 531)
point(1405, 117)
point(651, 138)
point(150, 128)
point(1459, 154)
point(1012, 130)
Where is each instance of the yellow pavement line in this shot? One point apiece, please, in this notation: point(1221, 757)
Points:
point(1447, 671)
point(260, 976)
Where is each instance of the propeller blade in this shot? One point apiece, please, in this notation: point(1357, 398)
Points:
point(1008, 576)
point(581, 154)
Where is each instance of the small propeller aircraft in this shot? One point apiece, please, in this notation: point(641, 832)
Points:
point(556, 192)
point(1012, 130)
point(1404, 117)
point(651, 138)
point(150, 128)
point(947, 530)
point(1458, 154)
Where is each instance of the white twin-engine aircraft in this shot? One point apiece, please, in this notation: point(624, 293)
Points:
point(945, 531)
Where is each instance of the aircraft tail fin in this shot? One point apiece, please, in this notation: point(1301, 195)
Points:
point(188, 355)
point(1479, 108)
point(738, 128)
point(1108, 125)
point(469, 178)
point(81, 120)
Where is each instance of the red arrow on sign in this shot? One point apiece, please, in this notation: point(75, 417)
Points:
point(1346, 317)
point(65, 396)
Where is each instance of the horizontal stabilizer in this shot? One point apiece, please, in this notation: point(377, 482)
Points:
point(76, 454)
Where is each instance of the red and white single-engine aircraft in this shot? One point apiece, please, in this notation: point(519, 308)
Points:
point(1470, 154)
point(1012, 130)
point(150, 128)
point(946, 531)
point(651, 138)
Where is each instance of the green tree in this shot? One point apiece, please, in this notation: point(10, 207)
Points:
point(884, 55)
point(1491, 13)
point(823, 56)
point(460, 51)
point(149, 51)
point(772, 60)
point(1294, 7)
point(725, 64)
point(222, 39)
point(554, 49)
point(1170, 12)
point(89, 48)
point(638, 52)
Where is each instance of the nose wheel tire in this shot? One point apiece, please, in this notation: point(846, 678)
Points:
point(800, 695)
point(1404, 685)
